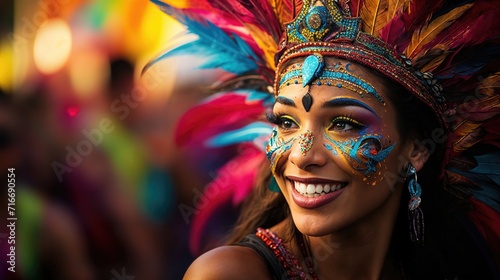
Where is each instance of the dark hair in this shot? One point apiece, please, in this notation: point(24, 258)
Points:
point(444, 254)
point(449, 252)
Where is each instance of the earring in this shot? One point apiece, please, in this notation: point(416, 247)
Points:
point(273, 185)
point(415, 214)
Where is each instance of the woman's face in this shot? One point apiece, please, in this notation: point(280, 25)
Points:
point(338, 162)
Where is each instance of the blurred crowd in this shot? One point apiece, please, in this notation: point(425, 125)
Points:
point(101, 187)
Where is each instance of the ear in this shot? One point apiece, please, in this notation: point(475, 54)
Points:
point(418, 154)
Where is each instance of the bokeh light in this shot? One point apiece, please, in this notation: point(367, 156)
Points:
point(52, 46)
point(89, 72)
point(6, 71)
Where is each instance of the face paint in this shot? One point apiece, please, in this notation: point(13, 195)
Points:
point(362, 153)
point(276, 147)
point(313, 71)
point(306, 142)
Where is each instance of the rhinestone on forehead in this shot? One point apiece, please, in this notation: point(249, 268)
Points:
point(336, 75)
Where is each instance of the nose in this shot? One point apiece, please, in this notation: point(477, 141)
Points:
point(308, 151)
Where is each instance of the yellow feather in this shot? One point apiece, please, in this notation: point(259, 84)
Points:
point(374, 15)
point(469, 134)
point(284, 15)
point(430, 30)
point(265, 42)
point(491, 87)
point(395, 6)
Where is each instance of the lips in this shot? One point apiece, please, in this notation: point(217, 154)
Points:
point(313, 193)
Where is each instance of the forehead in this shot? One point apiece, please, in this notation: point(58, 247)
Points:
point(339, 79)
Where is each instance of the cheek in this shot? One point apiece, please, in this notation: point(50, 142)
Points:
point(365, 154)
point(276, 147)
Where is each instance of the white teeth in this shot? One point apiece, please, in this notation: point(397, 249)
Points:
point(302, 187)
point(311, 190)
point(319, 189)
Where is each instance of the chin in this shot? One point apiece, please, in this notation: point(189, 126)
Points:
point(317, 224)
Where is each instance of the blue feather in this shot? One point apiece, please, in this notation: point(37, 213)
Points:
point(487, 176)
point(255, 95)
point(246, 134)
point(473, 62)
point(228, 52)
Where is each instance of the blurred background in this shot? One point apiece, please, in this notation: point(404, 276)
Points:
point(102, 192)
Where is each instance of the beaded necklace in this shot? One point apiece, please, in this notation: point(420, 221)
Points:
point(289, 262)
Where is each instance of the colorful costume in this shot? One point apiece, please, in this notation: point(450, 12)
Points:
point(445, 53)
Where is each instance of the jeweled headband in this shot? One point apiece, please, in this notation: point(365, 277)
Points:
point(322, 27)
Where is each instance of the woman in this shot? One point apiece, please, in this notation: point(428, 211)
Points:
point(354, 123)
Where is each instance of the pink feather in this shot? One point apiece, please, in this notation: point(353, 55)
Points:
point(232, 185)
point(223, 113)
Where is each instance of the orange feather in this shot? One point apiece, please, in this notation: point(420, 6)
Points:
point(395, 6)
point(430, 30)
point(266, 43)
point(374, 15)
point(283, 10)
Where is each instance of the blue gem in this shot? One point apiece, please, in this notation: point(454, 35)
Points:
point(312, 68)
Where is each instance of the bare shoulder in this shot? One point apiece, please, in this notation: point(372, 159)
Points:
point(228, 262)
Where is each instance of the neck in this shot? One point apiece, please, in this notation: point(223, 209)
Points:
point(361, 251)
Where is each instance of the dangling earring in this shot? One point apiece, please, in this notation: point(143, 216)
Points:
point(273, 185)
point(415, 214)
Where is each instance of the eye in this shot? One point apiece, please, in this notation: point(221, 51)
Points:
point(283, 122)
point(345, 124)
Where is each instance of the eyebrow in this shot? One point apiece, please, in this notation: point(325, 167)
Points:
point(285, 101)
point(337, 102)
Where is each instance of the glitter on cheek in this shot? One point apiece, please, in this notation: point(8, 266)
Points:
point(276, 147)
point(306, 142)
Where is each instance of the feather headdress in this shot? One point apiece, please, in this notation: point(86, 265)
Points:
point(445, 52)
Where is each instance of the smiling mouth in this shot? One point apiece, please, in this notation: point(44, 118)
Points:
point(310, 189)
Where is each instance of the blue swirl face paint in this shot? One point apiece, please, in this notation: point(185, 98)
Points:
point(276, 147)
point(363, 153)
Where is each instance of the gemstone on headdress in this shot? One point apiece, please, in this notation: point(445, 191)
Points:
point(321, 21)
point(314, 21)
point(312, 68)
point(317, 19)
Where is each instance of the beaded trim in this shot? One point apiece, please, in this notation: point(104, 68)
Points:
point(321, 23)
point(337, 76)
point(289, 262)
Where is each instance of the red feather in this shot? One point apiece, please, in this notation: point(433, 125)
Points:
point(492, 137)
point(223, 113)
point(468, 31)
point(393, 30)
point(232, 185)
point(487, 222)
point(417, 15)
point(355, 7)
point(257, 12)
